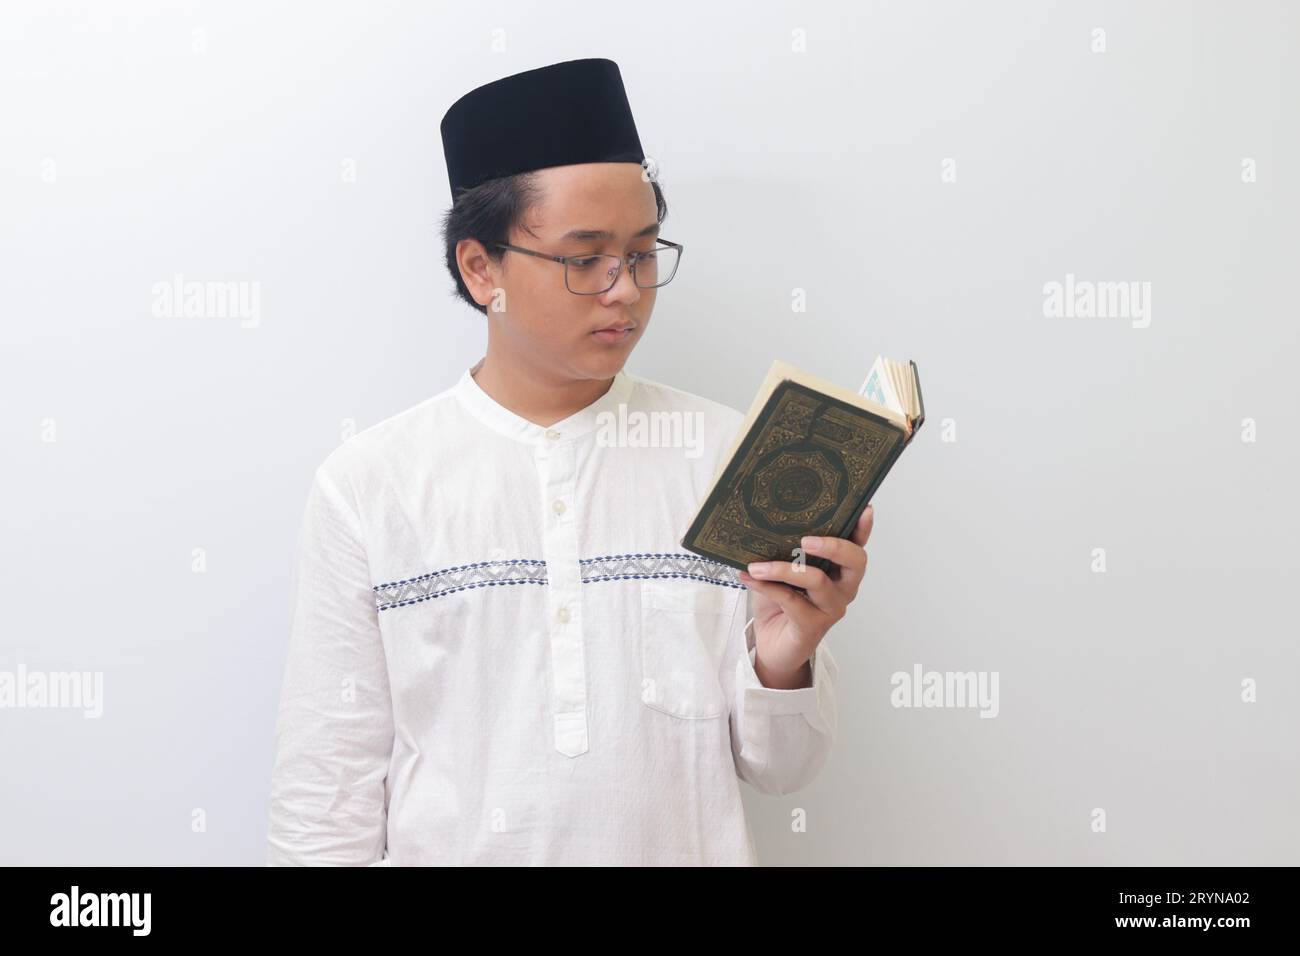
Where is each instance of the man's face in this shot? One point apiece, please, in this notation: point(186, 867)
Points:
point(544, 324)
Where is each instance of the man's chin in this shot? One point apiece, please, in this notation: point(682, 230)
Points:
point(604, 363)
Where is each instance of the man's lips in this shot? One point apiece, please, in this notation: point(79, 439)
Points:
point(614, 333)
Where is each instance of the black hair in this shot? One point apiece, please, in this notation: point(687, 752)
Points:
point(489, 211)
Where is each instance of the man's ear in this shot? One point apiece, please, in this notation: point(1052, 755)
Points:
point(476, 270)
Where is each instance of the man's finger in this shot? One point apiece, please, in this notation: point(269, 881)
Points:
point(801, 610)
point(819, 590)
point(863, 531)
point(851, 558)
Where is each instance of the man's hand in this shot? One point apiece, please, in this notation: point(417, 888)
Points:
point(788, 625)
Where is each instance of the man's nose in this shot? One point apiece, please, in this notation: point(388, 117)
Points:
point(624, 288)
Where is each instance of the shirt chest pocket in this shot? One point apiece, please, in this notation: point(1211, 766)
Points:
point(683, 636)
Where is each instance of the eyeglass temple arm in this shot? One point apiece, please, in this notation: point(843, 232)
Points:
point(528, 252)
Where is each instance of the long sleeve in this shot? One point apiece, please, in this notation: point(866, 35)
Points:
point(781, 738)
point(334, 729)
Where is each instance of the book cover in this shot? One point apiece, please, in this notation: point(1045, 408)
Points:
point(808, 463)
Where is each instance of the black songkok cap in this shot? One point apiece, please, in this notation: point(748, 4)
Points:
point(558, 115)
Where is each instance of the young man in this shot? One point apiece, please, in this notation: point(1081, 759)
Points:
point(500, 653)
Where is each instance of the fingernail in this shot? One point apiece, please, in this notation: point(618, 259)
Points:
point(811, 541)
point(759, 567)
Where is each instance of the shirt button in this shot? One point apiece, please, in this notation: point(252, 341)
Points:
point(564, 615)
point(552, 434)
point(558, 506)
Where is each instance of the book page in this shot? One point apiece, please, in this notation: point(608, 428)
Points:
point(879, 387)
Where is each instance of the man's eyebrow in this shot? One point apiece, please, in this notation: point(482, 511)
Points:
point(583, 235)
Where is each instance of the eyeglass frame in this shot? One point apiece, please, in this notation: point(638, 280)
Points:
point(635, 257)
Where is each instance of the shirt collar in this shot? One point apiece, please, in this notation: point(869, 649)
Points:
point(499, 418)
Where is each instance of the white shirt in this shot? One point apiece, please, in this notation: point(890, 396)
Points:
point(501, 654)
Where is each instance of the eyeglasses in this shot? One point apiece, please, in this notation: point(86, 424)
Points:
point(595, 274)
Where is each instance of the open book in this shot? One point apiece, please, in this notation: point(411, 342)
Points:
point(806, 460)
